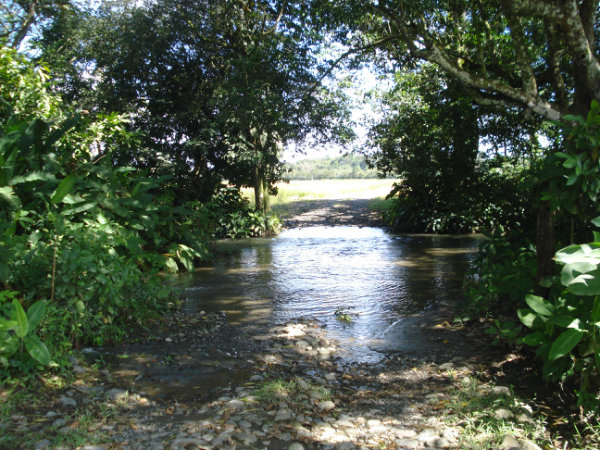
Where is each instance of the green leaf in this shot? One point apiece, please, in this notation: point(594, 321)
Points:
point(8, 195)
point(579, 253)
point(9, 344)
point(584, 284)
point(596, 222)
point(540, 305)
point(37, 350)
point(566, 342)
point(35, 314)
point(529, 318)
point(22, 322)
point(565, 322)
point(64, 187)
point(535, 339)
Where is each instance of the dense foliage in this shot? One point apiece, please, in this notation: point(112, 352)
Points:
point(491, 124)
point(429, 137)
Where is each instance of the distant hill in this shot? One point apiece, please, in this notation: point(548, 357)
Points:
point(342, 167)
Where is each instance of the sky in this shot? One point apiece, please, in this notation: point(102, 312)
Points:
point(363, 81)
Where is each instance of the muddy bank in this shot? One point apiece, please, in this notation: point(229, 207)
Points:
point(309, 213)
point(293, 393)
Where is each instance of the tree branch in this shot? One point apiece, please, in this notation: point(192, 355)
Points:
point(516, 31)
point(529, 100)
point(29, 20)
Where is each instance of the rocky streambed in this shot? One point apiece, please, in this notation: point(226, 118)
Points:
point(291, 392)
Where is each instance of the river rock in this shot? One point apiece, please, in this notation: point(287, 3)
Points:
point(529, 445)
point(234, 404)
point(509, 442)
point(59, 423)
point(283, 415)
point(246, 438)
point(296, 446)
point(116, 394)
point(67, 402)
point(503, 414)
point(446, 366)
point(303, 345)
point(326, 405)
point(184, 443)
point(43, 445)
point(501, 390)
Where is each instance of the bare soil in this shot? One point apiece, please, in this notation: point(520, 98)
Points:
point(310, 213)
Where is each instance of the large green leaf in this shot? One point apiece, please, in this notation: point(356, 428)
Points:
point(529, 318)
point(589, 253)
point(540, 305)
point(565, 322)
point(37, 349)
point(22, 327)
point(64, 187)
point(582, 284)
point(35, 314)
point(32, 176)
point(535, 339)
point(8, 195)
point(565, 342)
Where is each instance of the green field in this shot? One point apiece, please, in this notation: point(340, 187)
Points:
point(331, 189)
point(307, 190)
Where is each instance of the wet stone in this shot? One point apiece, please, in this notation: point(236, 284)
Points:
point(67, 402)
point(43, 445)
point(501, 390)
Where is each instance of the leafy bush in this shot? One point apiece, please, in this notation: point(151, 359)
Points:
point(502, 273)
point(234, 218)
point(488, 202)
point(19, 345)
point(566, 330)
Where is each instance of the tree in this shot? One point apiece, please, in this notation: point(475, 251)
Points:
point(217, 90)
point(540, 56)
point(19, 17)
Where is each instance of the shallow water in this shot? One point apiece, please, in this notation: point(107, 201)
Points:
point(382, 281)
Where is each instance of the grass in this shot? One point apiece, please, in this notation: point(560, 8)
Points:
point(474, 408)
point(331, 190)
point(301, 190)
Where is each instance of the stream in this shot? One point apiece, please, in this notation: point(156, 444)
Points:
point(374, 293)
point(368, 287)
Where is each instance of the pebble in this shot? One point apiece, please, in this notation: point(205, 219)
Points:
point(503, 414)
point(59, 423)
point(67, 402)
point(43, 445)
point(313, 410)
point(446, 366)
point(283, 415)
point(326, 405)
point(116, 394)
point(509, 442)
point(501, 390)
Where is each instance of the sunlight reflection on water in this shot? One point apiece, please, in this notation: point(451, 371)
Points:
point(377, 277)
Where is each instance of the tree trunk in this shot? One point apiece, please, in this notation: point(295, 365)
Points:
point(545, 244)
point(261, 191)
